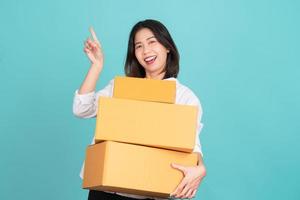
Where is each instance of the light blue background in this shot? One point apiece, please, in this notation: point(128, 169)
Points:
point(240, 57)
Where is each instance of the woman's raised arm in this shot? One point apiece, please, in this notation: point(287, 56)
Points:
point(93, 50)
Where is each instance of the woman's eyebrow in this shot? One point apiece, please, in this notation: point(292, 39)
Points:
point(146, 39)
point(150, 37)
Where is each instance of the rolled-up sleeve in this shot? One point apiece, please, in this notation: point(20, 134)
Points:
point(86, 105)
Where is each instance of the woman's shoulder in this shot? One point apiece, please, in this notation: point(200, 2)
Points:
point(184, 94)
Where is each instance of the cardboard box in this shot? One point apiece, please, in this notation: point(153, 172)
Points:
point(133, 169)
point(145, 89)
point(161, 125)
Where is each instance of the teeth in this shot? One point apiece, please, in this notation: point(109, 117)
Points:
point(150, 58)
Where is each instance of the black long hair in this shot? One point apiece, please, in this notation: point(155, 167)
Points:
point(133, 68)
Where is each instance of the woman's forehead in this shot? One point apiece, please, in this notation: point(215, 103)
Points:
point(143, 34)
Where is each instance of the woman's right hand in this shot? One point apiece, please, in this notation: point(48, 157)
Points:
point(92, 49)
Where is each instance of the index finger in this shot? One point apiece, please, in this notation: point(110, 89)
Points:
point(94, 36)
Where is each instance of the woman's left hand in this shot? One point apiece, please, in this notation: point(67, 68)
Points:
point(193, 176)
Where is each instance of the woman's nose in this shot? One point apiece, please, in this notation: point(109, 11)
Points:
point(146, 49)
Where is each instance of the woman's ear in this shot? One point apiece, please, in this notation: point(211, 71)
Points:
point(168, 50)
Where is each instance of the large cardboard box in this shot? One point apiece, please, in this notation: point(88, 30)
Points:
point(145, 89)
point(134, 169)
point(161, 125)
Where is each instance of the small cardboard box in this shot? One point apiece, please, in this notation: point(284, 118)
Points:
point(145, 89)
point(161, 125)
point(134, 169)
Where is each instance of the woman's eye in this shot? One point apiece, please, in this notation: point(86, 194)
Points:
point(151, 42)
point(138, 46)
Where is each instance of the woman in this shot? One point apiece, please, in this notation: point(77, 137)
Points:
point(151, 54)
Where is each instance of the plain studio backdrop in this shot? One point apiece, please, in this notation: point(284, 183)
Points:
point(240, 57)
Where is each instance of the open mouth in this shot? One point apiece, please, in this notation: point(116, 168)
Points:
point(149, 60)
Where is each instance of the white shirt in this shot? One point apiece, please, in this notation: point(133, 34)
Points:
point(86, 106)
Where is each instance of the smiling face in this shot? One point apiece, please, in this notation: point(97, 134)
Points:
point(150, 53)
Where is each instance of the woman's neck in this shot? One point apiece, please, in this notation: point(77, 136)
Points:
point(159, 76)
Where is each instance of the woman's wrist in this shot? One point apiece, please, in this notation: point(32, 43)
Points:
point(97, 67)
